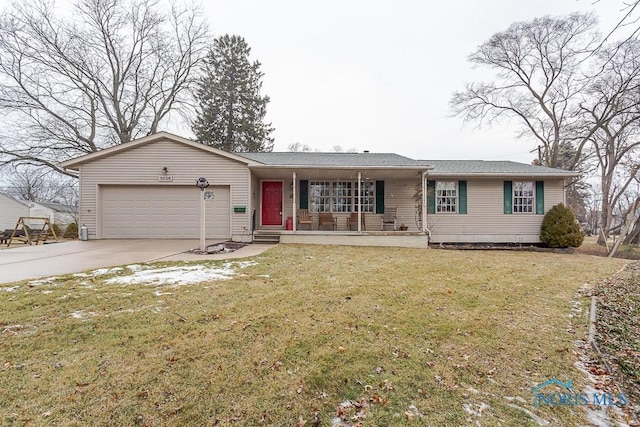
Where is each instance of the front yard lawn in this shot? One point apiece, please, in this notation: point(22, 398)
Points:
point(301, 335)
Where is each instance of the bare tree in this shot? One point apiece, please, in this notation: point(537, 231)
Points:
point(37, 184)
point(612, 106)
point(538, 81)
point(298, 147)
point(109, 72)
point(630, 218)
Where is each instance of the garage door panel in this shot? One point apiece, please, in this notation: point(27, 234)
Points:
point(162, 212)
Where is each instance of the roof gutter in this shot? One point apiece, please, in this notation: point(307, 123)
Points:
point(328, 167)
point(505, 174)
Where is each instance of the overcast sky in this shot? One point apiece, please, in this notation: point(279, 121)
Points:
point(378, 75)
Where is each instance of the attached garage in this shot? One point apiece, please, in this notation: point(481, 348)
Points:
point(146, 189)
point(160, 211)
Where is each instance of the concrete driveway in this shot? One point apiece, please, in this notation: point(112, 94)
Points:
point(54, 259)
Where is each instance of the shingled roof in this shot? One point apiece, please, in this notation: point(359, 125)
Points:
point(312, 159)
point(389, 160)
point(492, 167)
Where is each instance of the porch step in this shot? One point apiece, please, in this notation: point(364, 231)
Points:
point(266, 237)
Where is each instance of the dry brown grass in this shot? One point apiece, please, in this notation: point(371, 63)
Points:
point(391, 336)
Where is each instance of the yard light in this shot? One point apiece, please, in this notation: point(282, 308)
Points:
point(202, 183)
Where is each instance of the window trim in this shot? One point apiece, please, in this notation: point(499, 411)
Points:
point(515, 206)
point(456, 198)
point(354, 196)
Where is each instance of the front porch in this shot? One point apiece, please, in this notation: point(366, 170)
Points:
point(405, 239)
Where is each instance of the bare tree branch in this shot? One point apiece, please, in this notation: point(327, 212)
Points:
point(109, 73)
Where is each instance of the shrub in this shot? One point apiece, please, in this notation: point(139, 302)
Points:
point(71, 232)
point(560, 228)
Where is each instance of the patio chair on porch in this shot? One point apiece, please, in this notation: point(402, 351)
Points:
point(326, 220)
point(304, 219)
point(353, 221)
point(389, 218)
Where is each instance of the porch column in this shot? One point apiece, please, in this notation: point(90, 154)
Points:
point(359, 202)
point(295, 213)
point(424, 202)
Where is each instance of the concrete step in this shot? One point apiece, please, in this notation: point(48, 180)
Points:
point(266, 238)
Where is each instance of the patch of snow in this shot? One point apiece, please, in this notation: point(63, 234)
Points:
point(81, 275)
point(534, 417)
point(10, 289)
point(81, 314)
point(134, 267)
point(598, 415)
point(42, 281)
point(104, 271)
point(476, 410)
point(414, 411)
point(47, 292)
point(177, 276)
point(159, 294)
point(245, 264)
point(518, 398)
point(17, 329)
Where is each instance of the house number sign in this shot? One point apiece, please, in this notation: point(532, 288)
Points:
point(165, 178)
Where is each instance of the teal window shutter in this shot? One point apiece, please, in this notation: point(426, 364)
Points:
point(431, 197)
point(540, 197)
point(508, 197)
point(304, 194)
point(462, 197)
point(379, 197)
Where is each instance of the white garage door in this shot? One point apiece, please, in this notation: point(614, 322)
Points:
point(163, 212)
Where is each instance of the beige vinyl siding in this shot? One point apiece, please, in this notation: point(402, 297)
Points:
point(486, 221)
point(402, 195)
point(10, 212)
point(142, 165)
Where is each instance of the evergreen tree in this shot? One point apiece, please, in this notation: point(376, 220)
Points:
point(231, 110)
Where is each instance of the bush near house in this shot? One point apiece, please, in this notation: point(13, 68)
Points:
point(71, 232)
point(560, 228)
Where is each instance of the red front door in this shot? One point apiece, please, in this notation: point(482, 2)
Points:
point(271, 203)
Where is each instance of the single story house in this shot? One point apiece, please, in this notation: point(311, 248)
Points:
point(10, 211)
point(147, 189)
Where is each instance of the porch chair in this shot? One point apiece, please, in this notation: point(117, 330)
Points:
point(353, 221)
point(389, 218)
point(304, 219)
point(326, 219)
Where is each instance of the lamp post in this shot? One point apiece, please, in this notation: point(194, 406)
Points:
point(202, 183)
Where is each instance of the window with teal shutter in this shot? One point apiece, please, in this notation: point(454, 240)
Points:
point(379, 197)
point(462, 197)
point(540, 197)
point(304, 194)
point(431, 197)
point(508, 197)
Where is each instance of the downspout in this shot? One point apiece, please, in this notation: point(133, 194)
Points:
point(425, 176)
